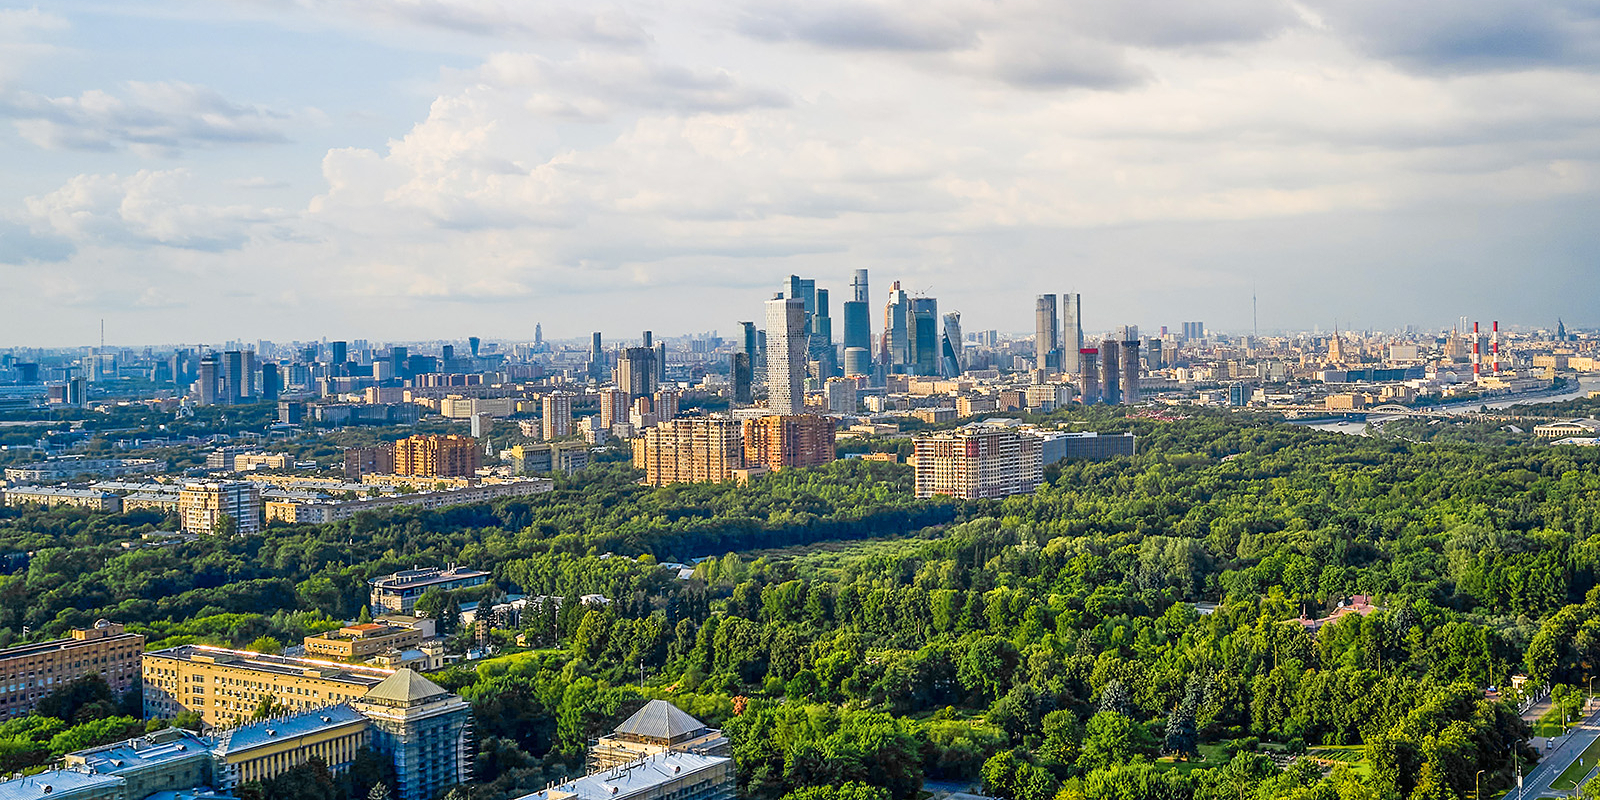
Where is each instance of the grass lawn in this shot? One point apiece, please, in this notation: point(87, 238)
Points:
point(1352, 755)
point(1568, 779)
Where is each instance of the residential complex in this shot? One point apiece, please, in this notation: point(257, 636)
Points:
point(52, 497)
point(28, 672)
point(220, 506)
point(776, 442)
point(689, 450)
point(445, 456)
point(977, 461)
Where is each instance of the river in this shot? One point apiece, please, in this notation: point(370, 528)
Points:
point(1580, 389)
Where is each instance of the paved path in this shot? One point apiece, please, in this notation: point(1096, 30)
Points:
point(1553, 762)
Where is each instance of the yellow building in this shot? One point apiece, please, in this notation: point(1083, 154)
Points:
point(202, 505)
point(226, 686)
point(359, 642)
point(690, 450)
point(267, 748)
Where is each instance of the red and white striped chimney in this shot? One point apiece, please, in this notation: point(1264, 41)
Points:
point(1494, 348)
point(1477, 352)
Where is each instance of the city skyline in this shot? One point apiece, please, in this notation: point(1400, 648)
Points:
point(195, 173)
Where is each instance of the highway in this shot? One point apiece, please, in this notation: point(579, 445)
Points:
point(1553, 762)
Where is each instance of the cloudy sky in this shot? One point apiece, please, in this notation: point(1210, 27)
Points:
point(409, 169)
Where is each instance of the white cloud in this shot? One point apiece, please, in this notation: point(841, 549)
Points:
point(144, 209)
point(496, 19)
point(150, 118)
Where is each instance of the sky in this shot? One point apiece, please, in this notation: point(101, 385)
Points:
point(419, 169)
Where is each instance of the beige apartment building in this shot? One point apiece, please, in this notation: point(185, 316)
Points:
point(690, 450)
point(202, 506)
point(977, 461)
point(28, 672)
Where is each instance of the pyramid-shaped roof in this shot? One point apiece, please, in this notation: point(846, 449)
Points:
point(660, 719)
point(404, 688)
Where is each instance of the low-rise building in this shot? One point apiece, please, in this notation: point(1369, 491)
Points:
point(28, 672)
point(66, 469)
point(398, 593)
point(361, 641)
point(321, 509)
point(51, 497)
point(1566, 428)
point(161, 761)
point(65, 784)
point(264, 749)
point(668, 776)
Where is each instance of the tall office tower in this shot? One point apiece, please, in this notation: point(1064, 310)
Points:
point(649, 339)
point(271, 382)
point(857, 325)
point(397, 361)
point(425, 731)
point(805, 290)
point(786, 362)
point(636, 371)
point(597, 359)
point(759, 368)
point(339, 352)
point(896, 351)
point(740, 377)
point(1046, 339)
point(924, 338)
point(210, 378)
point(220, 507)
point(821, 342)
point(538, 333)
point(613, 407)
point(666, 402)
point(1089, 377)
point(954, 358)
point(437, 456)
point(858, 287)
point(1193, 331)
point(1130, 371)
point(557, 415)
point(1153, 353)
point(1071, 332)
point(661, 363)
point(857, 362)
point(692, 449)
point(447, 352)
point(1110, 372)
point(750, 345)
point(472, 344)
point(777, 442)
point(233, 378)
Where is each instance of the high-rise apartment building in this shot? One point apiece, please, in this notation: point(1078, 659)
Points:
point(359, 461)
point(1130, 371)
point(557, 408)
point(786, 362)
point(28, 672)
point(690, 450)
point(665, 403)
point(977, 461)
point(841, 395)
point(1089, 376)
point(613, 407)
point(220, 507)
point(437, 456)
point(1110, 372)
point(210, 379)
point(1071, 332)
point(777, 442)
point(1046, 339)
point(636, 371)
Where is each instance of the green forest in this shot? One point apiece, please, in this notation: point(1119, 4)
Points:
point(1132, 630)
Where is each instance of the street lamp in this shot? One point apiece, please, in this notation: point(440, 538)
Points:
point(1476, 792)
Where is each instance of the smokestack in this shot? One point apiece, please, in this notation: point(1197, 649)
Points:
point(1477, 352)
point(1494, 348)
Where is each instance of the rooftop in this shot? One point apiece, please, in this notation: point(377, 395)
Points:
point(660, 719)
point(636, 777)
point(53, 782)
point(278, 665)
point(404, 688)
point(153, 748)
point(426, 575)
point(271, 731)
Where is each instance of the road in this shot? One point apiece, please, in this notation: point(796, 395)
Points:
point(1553, 762)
